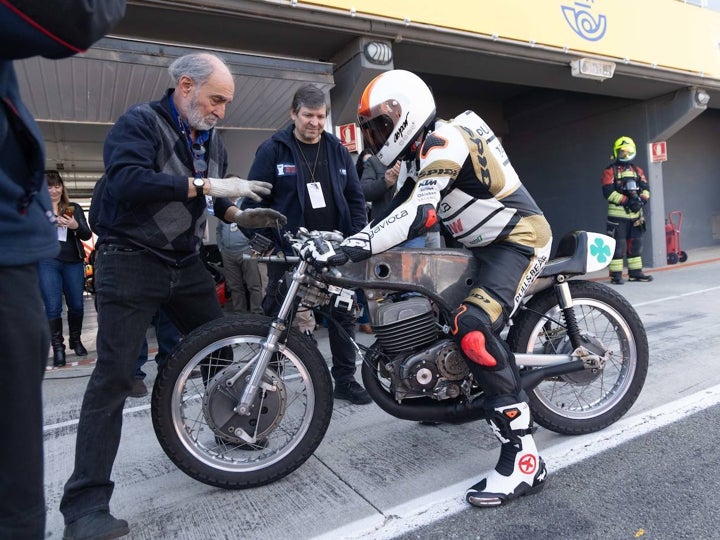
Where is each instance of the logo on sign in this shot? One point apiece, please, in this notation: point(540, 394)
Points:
point(583, 23)
point(658, 151)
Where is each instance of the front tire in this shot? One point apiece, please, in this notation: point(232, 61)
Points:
point(589, 400)
point(192, 407)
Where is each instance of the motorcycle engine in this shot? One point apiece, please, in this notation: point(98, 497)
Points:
point(421, 362)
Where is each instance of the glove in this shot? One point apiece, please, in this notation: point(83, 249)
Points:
point(635, 204)
point(259, 218)
point(320, 253)
point(235, 187)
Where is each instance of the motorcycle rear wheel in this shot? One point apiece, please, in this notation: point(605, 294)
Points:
point(192, 408)
point(589, 400)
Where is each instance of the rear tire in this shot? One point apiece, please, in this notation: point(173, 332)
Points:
point(589, 400)
point(194, 418)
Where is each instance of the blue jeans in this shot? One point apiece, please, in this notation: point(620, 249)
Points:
point(58, 278)
point(131, 286)
point(167, 338)
point(24, 342)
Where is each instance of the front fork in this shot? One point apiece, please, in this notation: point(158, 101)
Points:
point(261, 360)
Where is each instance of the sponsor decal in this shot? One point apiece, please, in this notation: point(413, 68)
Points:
point(401, 129)
point(436, 172)
point(527, 464)
point(285, 169)
point(389, 221)
point(530, 277)
point(455, 227)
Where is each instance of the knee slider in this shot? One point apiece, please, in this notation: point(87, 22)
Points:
point(474, 334)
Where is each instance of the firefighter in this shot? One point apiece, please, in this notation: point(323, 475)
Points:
point(627, 191)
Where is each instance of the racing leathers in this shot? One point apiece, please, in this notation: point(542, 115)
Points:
point(627, 191)
point(465, 179)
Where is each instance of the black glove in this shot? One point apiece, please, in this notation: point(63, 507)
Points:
point(635, 204)
point(320, 253)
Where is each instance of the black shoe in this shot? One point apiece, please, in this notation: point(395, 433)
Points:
point(616, 278)
point(78, 347)
point(138, 389)
point(352, 392)
point(639, 276)
point(96, 526)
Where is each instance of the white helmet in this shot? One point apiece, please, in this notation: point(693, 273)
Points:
point(394, 109)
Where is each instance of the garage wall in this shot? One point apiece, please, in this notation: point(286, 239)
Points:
point(692, 185)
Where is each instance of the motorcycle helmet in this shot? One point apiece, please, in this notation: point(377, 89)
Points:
point(627, 146)
point(394, 110)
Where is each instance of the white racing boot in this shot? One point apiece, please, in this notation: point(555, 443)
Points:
point(520, 470)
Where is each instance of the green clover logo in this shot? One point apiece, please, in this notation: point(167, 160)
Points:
point(600, 250)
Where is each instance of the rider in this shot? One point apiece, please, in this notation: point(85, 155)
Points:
point(461, 175)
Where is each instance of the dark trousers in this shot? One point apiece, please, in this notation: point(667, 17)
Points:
point(24, 342)
point(342, 349)
point(131, 286)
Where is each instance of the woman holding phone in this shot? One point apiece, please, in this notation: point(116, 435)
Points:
point(65, 274)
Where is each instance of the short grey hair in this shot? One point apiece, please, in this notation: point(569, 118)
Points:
point(309, 96)
point(198, 66)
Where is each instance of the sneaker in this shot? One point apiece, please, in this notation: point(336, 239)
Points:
point(308, 334)
point(96, 525)
point(639, 276)
point(352, 392)
point(138, 389)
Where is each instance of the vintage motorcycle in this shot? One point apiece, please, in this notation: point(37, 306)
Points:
point(246, 400)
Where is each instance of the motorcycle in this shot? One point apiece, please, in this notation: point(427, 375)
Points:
point(245, 400)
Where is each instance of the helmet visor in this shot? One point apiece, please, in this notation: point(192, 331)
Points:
point(376, 132)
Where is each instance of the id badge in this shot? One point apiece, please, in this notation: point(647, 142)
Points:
point(62, 234)
point(316, 195)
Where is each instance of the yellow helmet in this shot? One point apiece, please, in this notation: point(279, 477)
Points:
point(624, 149)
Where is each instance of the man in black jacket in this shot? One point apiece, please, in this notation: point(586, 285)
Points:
point(162, 161)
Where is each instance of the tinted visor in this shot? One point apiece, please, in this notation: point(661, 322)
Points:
point(376, 132)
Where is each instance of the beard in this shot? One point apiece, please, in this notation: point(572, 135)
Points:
point(196, 120)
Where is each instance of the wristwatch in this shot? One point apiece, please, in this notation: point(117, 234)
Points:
point(199, 184)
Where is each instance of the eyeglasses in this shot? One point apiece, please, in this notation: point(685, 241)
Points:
point(199, 162)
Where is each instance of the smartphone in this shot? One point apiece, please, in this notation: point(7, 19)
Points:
point(69, 211)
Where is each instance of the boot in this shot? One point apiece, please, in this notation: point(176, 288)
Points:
point(56, 338)
point(520, 470)
point(637, 275)
point(616, 278)
point(75, 324)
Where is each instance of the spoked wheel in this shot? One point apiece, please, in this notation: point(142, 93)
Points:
point(196, 394)
point(589, 400)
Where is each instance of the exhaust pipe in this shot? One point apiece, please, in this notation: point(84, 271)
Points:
point(429, 410)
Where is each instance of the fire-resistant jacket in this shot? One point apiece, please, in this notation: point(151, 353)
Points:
point(614, 178)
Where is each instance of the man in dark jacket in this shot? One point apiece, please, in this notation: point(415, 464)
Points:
point(162, 160)
point(27, 235)
point(315, 184)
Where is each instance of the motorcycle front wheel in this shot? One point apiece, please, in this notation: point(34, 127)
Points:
point(194, 398)
point(592, 399)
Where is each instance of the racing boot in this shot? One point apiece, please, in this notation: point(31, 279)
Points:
point(520, 470)
point(637, 275)
point(75, 325)
point(58, 345)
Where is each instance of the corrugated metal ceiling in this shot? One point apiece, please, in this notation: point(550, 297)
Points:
point(76, 100)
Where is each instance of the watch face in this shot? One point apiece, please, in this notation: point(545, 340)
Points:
point(199, 182)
